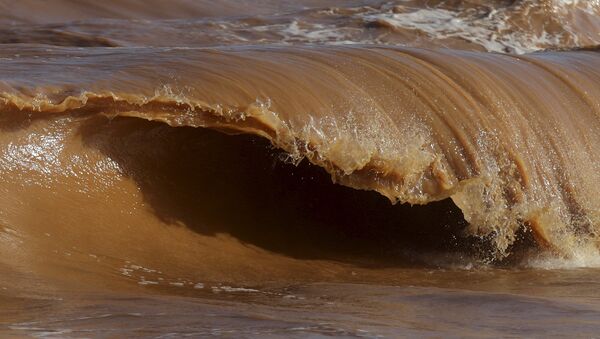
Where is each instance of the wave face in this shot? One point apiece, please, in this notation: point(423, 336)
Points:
point(174, 144)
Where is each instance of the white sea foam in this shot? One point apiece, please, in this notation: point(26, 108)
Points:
point(580, 257)
point(492, 31)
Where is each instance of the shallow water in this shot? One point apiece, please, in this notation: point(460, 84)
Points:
point(458, 303)
point(299, 169)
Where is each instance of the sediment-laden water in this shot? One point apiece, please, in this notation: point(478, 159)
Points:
point(299, 168)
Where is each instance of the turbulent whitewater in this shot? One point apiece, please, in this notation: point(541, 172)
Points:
point(182, 144)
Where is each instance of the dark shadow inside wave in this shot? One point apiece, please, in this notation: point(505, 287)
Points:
point(215, 183)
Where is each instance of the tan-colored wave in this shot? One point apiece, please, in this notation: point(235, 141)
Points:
point(512, 140)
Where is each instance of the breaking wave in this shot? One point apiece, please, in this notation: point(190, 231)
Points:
point(511, 140)
point(186, 142)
